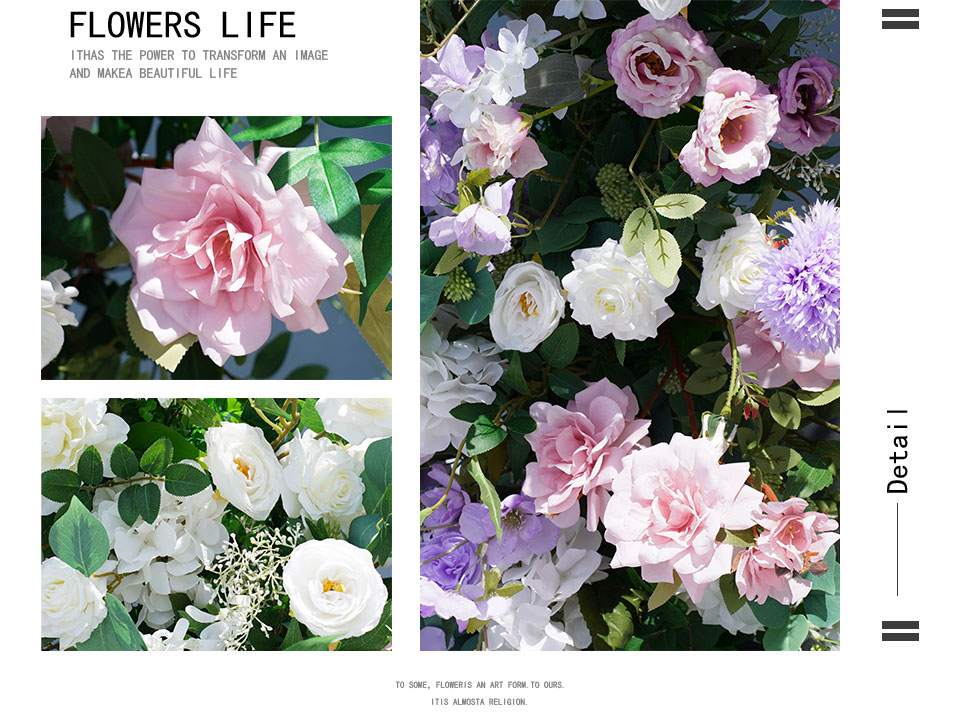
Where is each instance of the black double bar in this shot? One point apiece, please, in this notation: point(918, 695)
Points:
point(901, 24)
point(903, 626)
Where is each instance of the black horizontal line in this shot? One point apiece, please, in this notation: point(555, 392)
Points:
point(900, 25)
point(901, 12)
point(901, 625)
point(901, 637)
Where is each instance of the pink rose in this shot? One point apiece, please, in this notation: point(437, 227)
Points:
point(499, 142)
point(774, 364)
point(216, 250)
point(669, 502)
point(793, 537)
point(659, 64)
point(759, 577)
point(739, 118)
point(580, 449)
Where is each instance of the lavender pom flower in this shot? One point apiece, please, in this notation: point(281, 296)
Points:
point(799, 300)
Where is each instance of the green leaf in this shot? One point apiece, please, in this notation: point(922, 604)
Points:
point(809, 476)
point(771, 613)
point(818, 399)
point(678, 206)
point(377, 473)
point(431, 288)
point(521, 423)
point(143, 434)
point(621, 347)
point(712, 223)
point(157, 456)
point(822, 609)
point(829, 580)
point(470, 411)
point(48, 150)
point(488, 495)
point(59, 485)
point(269, 406)
point(637, 229)
point(184, 480)
point(481, 303)
point(309, 372)
point(88, 232)
point(677, 137)
point(309, 417)
point(123, 462)
point(115, 632)
point(127, 505)
point(335, 197)
point(584, 210)
point(560, 348)
point(781, 38)
point(376, 639)
point(789, 636)
point(166, 356)
point(663, 256)
point(99, 170)
point(49, 264)
point(79, 540)
point(270, 357)
point(707, 380)
point(356, 122)
point(147, 499)
point(315, 643)
point(267, 128)
point(565, 384)
point(200, 413)
point(293, 166)
point(785, 410)
point(709, 354)
point(364, 529)
point(731, 595)
point(513, 378)
point(376, 187)
point(90, 466)
point(795, 8)
point(558, 235)
point(483, 436)
point(377, 252)
point(293, 635)
point(347, 151)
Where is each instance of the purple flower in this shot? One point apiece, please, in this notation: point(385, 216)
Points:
point(439, 141)
point(804, 89)
point(479, 227)
point(525, 533)
point(799, 301)
point(454, 67)
point(449, 512)
point(450, 561)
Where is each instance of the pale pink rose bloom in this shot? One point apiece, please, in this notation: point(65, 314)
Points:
point(216, 250)
point(580, 449)
point(759, 577)
point(659, 65)
point(740, 116)
point(793, 537)
point(499, 142)
point(669, 503)
point(774, 364)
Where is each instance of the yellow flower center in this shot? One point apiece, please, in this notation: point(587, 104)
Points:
point(242, 467)
point(528, 305)
point(329, 585)
point(607, 305)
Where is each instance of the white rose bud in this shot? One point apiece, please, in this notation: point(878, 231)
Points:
point(617, 295)
point(334, 589)
point(527, 307)
point(71, 606)
point(663, 9)
point(356, 419)
point(731, 267)
point(244, 468)
point(54, 299)
point(321, 479)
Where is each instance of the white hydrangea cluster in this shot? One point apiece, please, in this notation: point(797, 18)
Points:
point(452, 372)
point(165, 557)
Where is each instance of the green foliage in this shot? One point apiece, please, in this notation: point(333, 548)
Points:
point(115, 632)
point(271, 357)
point(90, 466)
point(267, 128)
point(560, 348)
point(184, 480)
point(488, 495)
point(98, 169)
point(79, 540)
point(59, 485)
point(157, 456)
point(123, 462)
point(335, 197)
point(483, 436)
point(789, 636)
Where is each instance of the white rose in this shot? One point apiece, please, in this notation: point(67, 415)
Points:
point(614, 294)
point(663, 9)
point(71, 605)
point(527, 307)
point(321, 479)
point(356, 419)
point(54, 299)
point(68, 427)
point(334, 589)
point(244, 468)
point(731, 274)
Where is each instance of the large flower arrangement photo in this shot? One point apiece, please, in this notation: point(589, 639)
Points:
point(218, 524)
point(630, 325)
point(217, 247)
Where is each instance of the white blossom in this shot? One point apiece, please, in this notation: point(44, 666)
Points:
point(663, 9)
point(244, 468)
point(731, 276)
point(713, 611)
point(54, 299)
point(356, 419)
point(570, 9)
point(527, 307)
point(71, 604)
point(537, 32)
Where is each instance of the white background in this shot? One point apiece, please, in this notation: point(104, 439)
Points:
point(900, 283)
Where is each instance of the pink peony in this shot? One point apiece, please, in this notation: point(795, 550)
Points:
point(793, 537)
point(659, 64)
point(775, 364)
point(669, 503)
point(759, 577)
point(580, 449)
point(739, 118)
point(499, 142)
point(216, 250)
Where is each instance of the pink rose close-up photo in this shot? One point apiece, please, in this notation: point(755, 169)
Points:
point(216, 250)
